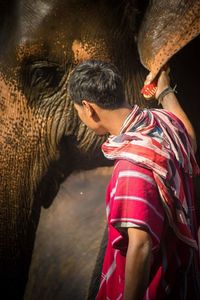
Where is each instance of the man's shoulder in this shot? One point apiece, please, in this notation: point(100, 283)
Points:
point(127, 165)
point(171, 117)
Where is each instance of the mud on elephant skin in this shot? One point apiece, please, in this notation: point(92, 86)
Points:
point(41, 138)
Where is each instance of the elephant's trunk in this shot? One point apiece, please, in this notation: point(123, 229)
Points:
point(166, 28)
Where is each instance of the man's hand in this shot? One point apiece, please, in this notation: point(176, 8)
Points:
point(162, 83)
point(138, 264)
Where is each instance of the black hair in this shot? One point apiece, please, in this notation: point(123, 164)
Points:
point(98, 82)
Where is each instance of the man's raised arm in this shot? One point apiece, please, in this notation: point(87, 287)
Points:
point(167, 98)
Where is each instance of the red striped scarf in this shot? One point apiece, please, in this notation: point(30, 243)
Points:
point(157, 140)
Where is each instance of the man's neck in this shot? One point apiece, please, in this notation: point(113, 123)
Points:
point(114, 119)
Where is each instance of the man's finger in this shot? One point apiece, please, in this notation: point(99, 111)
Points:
point(149, 79)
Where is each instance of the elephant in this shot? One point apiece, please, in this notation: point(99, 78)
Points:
point(41, 138)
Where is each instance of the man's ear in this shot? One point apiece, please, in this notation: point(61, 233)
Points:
point(91, 109)
point(88, 108)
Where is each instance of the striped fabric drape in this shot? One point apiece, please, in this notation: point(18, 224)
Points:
point(156, 139)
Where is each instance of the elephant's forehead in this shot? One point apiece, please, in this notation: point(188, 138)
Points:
point(39, 18)
point(42, 28)
point(49, 28)
point(32, 14)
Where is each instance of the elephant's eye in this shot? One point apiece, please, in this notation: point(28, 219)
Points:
point(39, 79)
point(44, 72)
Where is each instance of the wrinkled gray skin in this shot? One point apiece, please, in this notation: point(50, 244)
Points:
point(41, 138)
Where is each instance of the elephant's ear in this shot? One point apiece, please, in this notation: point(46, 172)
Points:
point(167, 27)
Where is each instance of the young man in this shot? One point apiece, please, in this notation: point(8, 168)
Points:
point(152, 250)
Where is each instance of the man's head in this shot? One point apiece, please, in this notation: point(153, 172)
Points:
point(97, 82)
point(95, 86)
